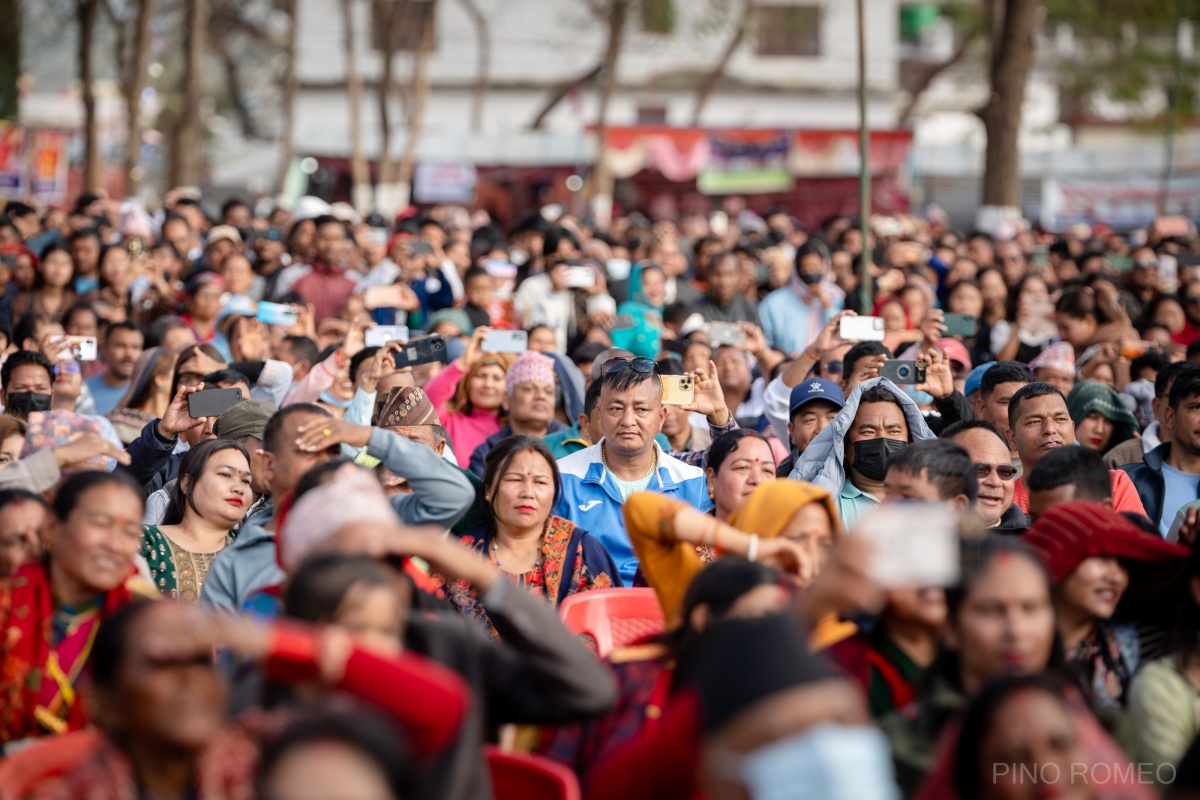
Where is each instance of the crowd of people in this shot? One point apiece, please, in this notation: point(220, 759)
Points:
point(291, 503)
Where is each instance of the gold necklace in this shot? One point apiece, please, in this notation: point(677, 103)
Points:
point(649, 472)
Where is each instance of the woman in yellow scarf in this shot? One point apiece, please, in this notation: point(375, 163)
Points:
point(787, 523)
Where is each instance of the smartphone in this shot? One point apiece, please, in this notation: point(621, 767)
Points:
point(212, 402)
point(421, 351)
point(1132, 349)
point(383, 297)
point(960, 324)
point(861, 329)
point(277, 314)
point(914, 545)
point(380, 335)
point(1040, 256)
point(580, 277)
point(722, 333)
point(83, 348)
point(420, 248)
point(499, 268)
point(678, 390)
point(505, 342)
point(903, 371)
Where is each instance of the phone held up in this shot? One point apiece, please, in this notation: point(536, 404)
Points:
point(861, 329)
point(212, 402)
point(421, 351)
point(505, 342)
point(903, 371)
point(678, 390)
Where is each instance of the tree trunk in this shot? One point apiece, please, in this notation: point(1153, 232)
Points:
point(714, 77)
point(602, 182)
point(289, 99)
point(483, 42)
point(360, 174)
point(191, 135)
point(134, 83)
point(10, 57)
point(86, 12)
point(416, 108)
point(390, 14)
point(1012, 59)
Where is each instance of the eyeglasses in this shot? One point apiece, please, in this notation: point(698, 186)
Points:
point(643, 365)
point(1193, 300)
point(1151, 264)
point(1005, 472)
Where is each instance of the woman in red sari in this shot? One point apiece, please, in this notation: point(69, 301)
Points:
point(50, 610)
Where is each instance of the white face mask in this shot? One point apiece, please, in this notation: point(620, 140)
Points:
point(829, 761)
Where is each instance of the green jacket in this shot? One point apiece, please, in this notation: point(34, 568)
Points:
point(914, 732)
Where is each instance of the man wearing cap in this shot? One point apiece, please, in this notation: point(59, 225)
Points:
point(223, 241)
point(528, 402)
point(813, 405)
point(406, 410)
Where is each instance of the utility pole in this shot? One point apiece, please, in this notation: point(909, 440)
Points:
point(864, 175)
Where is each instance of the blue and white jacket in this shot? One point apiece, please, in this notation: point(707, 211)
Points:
point(591, 500)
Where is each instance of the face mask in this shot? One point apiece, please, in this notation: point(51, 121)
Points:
point(871, 455)
point(21, 404)
point(328, 399)
point(811, 278)
point(920, 398)
point(833, 762)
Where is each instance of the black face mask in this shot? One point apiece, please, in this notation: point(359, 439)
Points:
point(20, 404)
point(811, 278)
point(871, 455)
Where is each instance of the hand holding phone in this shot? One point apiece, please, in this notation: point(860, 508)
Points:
point(420, 351)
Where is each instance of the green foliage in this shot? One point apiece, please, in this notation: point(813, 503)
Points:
point(1123, 50)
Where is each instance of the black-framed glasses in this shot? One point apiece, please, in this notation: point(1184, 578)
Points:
point(1005, 472)
point(643, 365)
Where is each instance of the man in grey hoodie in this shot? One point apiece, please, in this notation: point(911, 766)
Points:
point(440, 495)
point(849, 457)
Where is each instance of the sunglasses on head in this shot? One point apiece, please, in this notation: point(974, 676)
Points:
point(1005, 472)
point(643, 365)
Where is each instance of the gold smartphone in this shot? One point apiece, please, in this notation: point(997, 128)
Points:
point(678, 390)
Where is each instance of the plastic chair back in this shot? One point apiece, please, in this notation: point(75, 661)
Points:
point(612, 618)
point(25, 770)
point(521, 776)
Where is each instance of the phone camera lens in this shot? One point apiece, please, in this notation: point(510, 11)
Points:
point(903, 372)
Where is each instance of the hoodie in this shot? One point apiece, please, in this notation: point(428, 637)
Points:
point(823, 462)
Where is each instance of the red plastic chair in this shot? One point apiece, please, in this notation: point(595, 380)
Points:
point(27, 769)
point(613, 617)
point(521, 776)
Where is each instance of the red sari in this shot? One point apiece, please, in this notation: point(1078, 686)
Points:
point(42, 664)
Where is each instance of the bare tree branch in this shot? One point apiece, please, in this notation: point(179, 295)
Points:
point(931, 74)
point(561, 93)
point(483, 65)
point(714, 76)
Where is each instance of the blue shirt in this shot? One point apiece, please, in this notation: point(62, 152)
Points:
point(106, 397)
point(852, 503)
point(1179, 489)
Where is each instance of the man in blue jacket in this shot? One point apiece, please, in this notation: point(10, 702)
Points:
point(1168, 477)
point(597, 480)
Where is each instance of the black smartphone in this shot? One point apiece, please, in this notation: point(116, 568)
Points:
point(213, 402)
point(421, 351)
point(903, 371)
point(961, 324)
